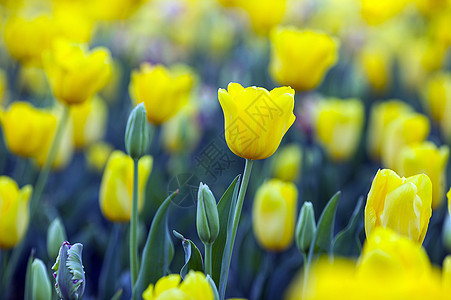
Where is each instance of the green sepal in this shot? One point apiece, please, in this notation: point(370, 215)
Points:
point(193, 258)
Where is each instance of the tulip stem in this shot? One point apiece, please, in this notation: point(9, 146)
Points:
point(306, 271)
point(236, 217)
point(45, 171)
point(134, 227)
point(208, 263)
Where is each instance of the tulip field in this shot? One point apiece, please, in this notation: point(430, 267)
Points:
point(225, 149)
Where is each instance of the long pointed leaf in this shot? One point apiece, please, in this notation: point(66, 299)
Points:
point(347, 241)
point(325, 230)
point(193, 258)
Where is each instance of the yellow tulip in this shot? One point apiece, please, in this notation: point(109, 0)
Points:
point(255, 119)
point(3, 87)
point(89, 121)
point(446, 273)
point(448, 196)
point(264, 14)
point(376, 62)
point(401, 204)
point(301, 58)
point(381, 115)
point(14, 212)
point(407, 129)
point(97, 155)
point(428, 159)
point(375, 12)
point(163, 91)
point(110, 10)
point(274, 214)
point(26, 129)
point(437, 95)
point(288, 163)
point(194, 286)
point(117, 186)
point(338, 126)
point(75, 74)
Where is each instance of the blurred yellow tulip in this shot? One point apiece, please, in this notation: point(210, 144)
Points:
point(110, 10)
point(97, 155)
point(3, 87)
point(446, 273)
point(381, 115)
point(117, 185)
point(194, 286)
point(164, 91)
point(428, 159)
point(376, 62)
point(14, 212)
point(74, 73)
point(274, 214)
point(407, 129)
point(401, 204)
point(89, 121)
point(26, 128)
point(437, 95)
point(256, 119)
point(338, 126)
point(448, 196)
point(375, 12)
point(301, 58)
point(288, 163)
point(32, 80)
point(264, 14)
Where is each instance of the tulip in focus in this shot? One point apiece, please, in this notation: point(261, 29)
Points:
point(288, 163)
point(256, 119)
point(301, 58)
point(74, 73)
point(194, 286)
point(401, 204)
point(274, 214)
point(428, 159)
point(14, 212)
point(164, 91)
point(116, 187)
point(338, 126)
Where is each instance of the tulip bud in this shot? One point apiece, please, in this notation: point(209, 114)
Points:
point(207, 215)
point(56, 235)
point(69, 273)
point(41, 288)
point(137, 132)
point(306, 227)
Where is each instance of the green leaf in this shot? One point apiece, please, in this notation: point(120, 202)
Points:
point(213, 287)
point(111, 265)
point(193, 258)
point(29, 277)
point(117, 295)
point(347, 241)
point(225, 206)
point(325, 230)
point(156, 254)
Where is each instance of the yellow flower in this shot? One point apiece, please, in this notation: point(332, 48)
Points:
point(375, 12)
point(382, 114)
point(403, 205)
point(75, 74)
point(264, 14)
point(3, 87)
point(14, 212)
point(288, 163)
point(407, 129)
point(194, 287)
point(301, 58)
point(338, 126)
point(110, 10)
point(274, 214)
point(437, 95)
point(26, 129)
point(448, 195)
point(163, 91)
point(376, 62)
point(428, 159)
point(255, 119)
point(97, 155)
point(117, 185)
point(89, 121)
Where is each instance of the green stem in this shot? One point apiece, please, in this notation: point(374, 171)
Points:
point(237, 215)
point(134, 227)
point(306, 271)
point(44, 174)
point(208, 263)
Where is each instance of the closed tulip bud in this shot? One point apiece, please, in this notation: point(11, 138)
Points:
point(304, 68)
point(76, 74)
point(14, 212)
point(163, 91)
point(274, 214)
point(306, 227)
point(56, 235)
point(69, 272)
point(428, 159)
point(207, 218)
point(97, 155)
point(26, 129)
point(401, 204)
point(288, 163)
point(116, 188)
point(338, 126)
point(256, 119)
point(137, 133)
point(381, 115)
point(89, 121)
point(41, 287)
